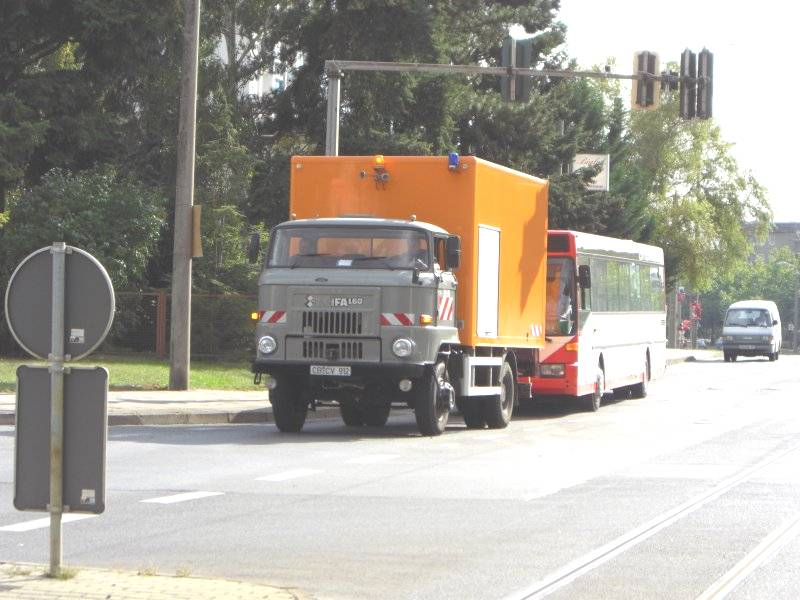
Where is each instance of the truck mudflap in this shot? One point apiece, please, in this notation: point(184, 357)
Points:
point(356, 371)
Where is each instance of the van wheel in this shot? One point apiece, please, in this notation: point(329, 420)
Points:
point(497, 409)
point(639, 390)
point(431, 407)
point(289, 406)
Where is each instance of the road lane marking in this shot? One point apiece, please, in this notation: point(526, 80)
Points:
point(181, 497)
point(371, 459)
point(44, 522)
point(599, 556)
point(287, 475)
point(762, 553)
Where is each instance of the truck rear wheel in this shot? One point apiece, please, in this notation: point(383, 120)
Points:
point(351, 413)
point(497, 409)
point(376, 414)
point(472, 412)
point(431, 409)
point(289, 406)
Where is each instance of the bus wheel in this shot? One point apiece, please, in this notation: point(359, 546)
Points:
point(497, 409)
point(431, 407)
point(289, 406)
point(639, 390)
point(594, 399)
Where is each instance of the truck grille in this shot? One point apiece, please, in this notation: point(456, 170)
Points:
point(331, 351)
point(331, 322)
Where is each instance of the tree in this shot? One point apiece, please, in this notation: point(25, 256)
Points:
point(114, 218)
point(699, 199)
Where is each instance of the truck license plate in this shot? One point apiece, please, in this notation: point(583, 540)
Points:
point(747, 347)
point(330, 371)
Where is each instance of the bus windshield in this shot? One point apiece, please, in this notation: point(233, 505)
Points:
point(349, 247)
point(560, 316)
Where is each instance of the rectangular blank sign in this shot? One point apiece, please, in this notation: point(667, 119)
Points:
point(85, 434)
point(488, 280)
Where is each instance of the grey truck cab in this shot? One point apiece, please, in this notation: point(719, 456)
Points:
point(355, 311)
point(751, 328)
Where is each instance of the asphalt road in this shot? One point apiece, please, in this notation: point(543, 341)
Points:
point(691, 492)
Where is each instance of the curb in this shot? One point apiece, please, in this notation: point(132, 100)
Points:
point(259, 415)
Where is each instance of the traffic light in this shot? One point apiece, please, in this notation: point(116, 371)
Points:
point(646, 91)
point(688, 84)
point(705, 88)
point(516, 53)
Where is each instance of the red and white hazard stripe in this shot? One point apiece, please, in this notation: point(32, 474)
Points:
point(536, 330)
point(446, 306)
point(397, 318)
point(274, 316)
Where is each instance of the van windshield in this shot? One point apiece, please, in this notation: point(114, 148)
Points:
point(349, 248)
point(748, 317)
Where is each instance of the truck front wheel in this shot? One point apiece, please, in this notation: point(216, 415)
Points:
point(431, 407)
point(289, 406)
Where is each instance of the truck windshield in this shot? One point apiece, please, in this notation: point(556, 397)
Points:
point(559, 318)
point(349, 248)
point(747, 317)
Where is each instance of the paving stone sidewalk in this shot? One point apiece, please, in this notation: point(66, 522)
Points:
point(30, 582)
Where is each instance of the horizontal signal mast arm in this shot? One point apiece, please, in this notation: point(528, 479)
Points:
point(334, 68)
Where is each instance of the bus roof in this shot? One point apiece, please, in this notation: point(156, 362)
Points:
point(601, 245)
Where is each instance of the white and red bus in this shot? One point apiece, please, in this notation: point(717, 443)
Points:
point(606, 319)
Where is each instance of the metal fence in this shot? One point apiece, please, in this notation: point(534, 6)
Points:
point(221, 326)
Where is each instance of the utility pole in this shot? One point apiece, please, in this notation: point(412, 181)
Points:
point(181, 312)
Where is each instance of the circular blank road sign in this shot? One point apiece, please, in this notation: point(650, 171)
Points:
point(88, 303)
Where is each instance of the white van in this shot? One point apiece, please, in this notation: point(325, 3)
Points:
point(751, 328)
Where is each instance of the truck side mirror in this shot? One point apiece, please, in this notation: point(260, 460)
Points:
point(453, 252)
point(254, 247)
point(584, 277)
point(774, 321)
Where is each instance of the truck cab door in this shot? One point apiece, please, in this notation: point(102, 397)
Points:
point(446, 285)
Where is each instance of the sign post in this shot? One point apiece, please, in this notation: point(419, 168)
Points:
point(56, 358)
point(74, 290)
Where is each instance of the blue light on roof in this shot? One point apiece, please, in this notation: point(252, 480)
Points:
point(452, 160)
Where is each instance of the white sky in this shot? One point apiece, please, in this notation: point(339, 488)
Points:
point(756, 87)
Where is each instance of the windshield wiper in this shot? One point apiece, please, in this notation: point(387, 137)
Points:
point(296, 263)
point(383, 259)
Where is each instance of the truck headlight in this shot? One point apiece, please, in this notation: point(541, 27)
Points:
point(766, 338)
point(551, 370)
point(728, 338)
point(267, 344)
point(402, 347)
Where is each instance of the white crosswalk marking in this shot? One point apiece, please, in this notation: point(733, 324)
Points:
point(371, 459)
point(286, 475)
point(44, 522)
point(181, 497)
